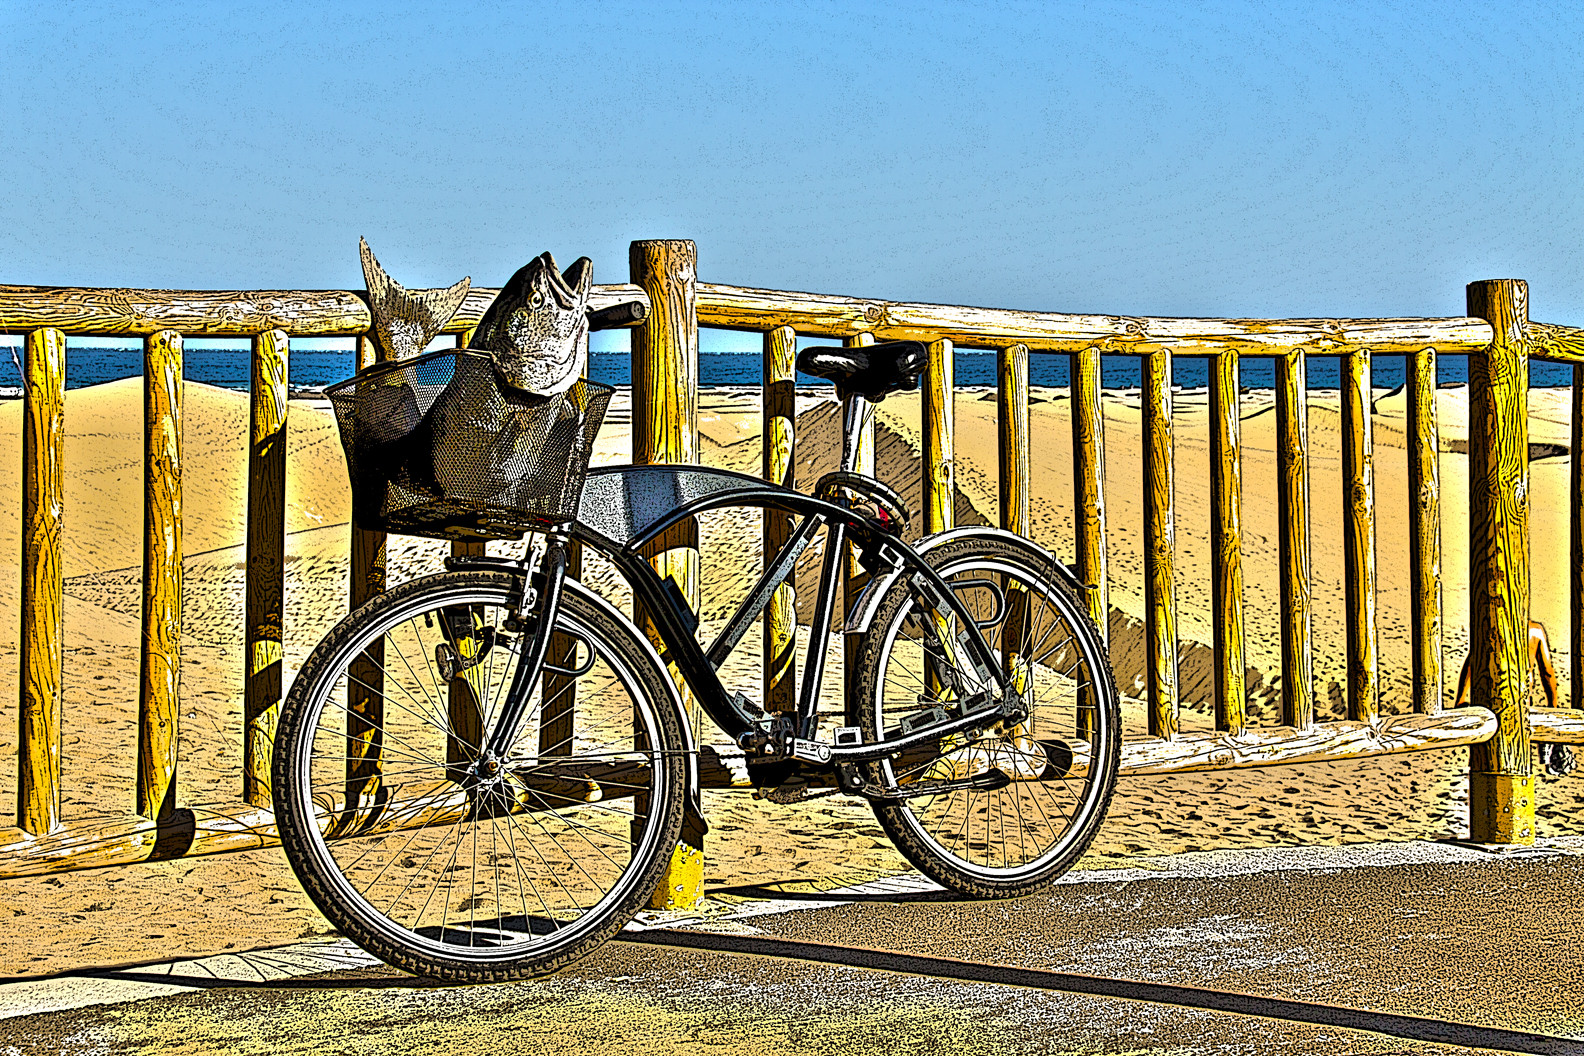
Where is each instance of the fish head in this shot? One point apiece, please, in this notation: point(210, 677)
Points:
point(537, 329)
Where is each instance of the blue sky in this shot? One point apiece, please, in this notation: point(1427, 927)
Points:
point(1244, 159)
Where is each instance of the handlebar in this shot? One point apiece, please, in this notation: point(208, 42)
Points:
point(628, 313)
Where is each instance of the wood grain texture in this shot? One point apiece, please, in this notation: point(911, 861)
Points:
point(1576, 540)
point(823, 315)
point(1560, 344)
point(41, 634)
point(227, 313)
point(940, 485)
point(1358, 538)
point(1160, 544)
point(1500, 809)
point(1292, 507)
point(159, 684)
point(1424, 532)
point(266, 562)
point(779, 433)
point(1012, 433)
point(1226, 545)
point(1088, 433)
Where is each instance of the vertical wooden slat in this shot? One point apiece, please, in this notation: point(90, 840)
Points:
point(665, 430)
point(266, 562)
point(1088, 431)
point(1358, 531)
point(558, 693)
point(159, 682)
point(854, 577)
point(1292, 427)
point(1226, 544)
point(42, 631)
point(1012, 431)
point(366, 682)
point(1501, 778)
point(780, 423)
point(1160, 540)
point(940, 487)
point(1576, 539)
point(1424, 534)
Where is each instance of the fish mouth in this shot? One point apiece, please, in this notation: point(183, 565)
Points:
point(564, 288)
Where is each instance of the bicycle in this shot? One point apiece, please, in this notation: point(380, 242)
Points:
point(481, 774)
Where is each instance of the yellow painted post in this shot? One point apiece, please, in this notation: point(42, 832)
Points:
point(266, 562)
point(665, 430)
point(1226, 542)
point(940, 487)
point(366, 682)
point(1160, 539)
point(1576, 537)
point(558, 692)
point(1088, 431)
point(42, 632)
point(1292, 426)
point(1012, 431)
point(1501, 776)
point(1424, 534)
point(1358, 468)
point(780, 423)
point(159, 683)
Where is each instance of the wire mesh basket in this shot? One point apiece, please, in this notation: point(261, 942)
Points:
point(439, 446)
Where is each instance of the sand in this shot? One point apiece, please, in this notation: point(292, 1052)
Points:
point(248, 900)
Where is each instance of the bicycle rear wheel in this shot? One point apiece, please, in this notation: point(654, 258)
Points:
point(411, 847)
point(1056, 769)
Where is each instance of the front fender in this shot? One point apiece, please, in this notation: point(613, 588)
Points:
point(862, 614)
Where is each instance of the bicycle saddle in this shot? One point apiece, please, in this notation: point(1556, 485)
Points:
point(873, 372)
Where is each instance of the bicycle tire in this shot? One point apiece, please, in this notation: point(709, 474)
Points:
point(1045, 818)
point(427, 867)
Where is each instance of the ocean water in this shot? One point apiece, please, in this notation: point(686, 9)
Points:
point(89, 364)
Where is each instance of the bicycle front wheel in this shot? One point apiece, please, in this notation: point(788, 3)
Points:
point(436, 862)
point(1044, 782)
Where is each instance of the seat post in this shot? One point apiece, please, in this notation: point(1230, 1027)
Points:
point(853, 407)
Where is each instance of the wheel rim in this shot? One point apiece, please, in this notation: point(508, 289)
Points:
point(430, 850)
point(1025, 827)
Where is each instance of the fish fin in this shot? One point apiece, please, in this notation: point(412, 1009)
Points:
point(406, 321)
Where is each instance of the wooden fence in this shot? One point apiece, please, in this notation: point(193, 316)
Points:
point(1496, 335)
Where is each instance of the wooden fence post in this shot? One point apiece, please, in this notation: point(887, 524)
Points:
point(42, 632)
point(366, 684)
point(665, 430)
point(940, 477)
point(1358, 467)
point(1292, 427)
point(1424, 541)
point(160, 670)
point(1088, 432)
point(1226, 542)
point(1576, 539)
point(266, 562)
point(854, 577)
point(1160, 540)
point(779, 427)
point(1012, 431)
point(1501, 776)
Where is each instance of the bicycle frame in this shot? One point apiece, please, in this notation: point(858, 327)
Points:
point(626, 508)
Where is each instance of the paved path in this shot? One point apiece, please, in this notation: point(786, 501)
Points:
point(1422, 948)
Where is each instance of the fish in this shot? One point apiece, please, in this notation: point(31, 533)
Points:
point(537, 328)
point(405, 321)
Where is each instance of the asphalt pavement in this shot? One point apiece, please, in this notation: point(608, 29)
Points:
point(1417, 947)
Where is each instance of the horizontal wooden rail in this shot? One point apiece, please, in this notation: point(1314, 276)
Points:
point(227, 313)
point(822, 315)
point(1561, 344)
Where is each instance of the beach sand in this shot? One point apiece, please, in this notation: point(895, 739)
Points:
point(250, 899)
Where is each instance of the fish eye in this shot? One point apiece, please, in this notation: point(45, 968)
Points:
point(536, 300)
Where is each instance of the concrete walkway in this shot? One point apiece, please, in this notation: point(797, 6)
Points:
point(1418, 947)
